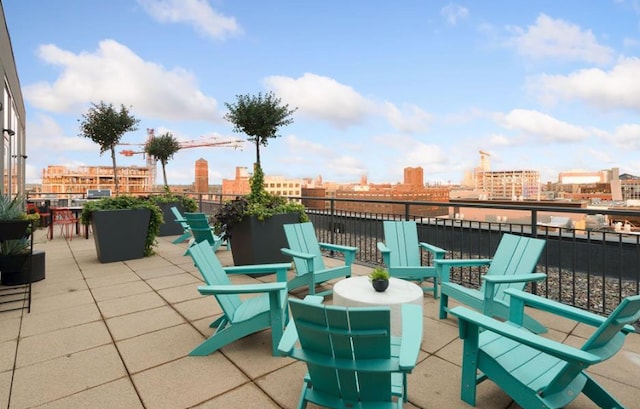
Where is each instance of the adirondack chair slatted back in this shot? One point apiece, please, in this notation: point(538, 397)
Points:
point(338, 343)
point(402, 239)
point(514, 255)
point(179, 217)
point(207, 262)
point(200, 227)
point(302, 237)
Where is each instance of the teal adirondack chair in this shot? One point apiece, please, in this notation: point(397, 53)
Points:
point(538, 372)
point(352, 360)
point(202, 231)
point(307, 257)
point(402, 253)
point(240, 317)
point(186, 235)
point(512, 266)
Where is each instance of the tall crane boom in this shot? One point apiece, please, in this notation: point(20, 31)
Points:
point(211, 141)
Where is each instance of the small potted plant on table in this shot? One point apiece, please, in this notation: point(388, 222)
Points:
point(379, 279)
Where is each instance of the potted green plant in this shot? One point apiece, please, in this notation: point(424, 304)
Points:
point(16, 255)
point(253, 223)
point(124, 227)
point(379, 279)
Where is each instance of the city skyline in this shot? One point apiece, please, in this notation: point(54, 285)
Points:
point(546, 86)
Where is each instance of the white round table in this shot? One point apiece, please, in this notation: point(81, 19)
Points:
point(358, 292)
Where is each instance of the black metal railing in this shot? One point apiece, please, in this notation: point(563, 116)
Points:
point(591, 266)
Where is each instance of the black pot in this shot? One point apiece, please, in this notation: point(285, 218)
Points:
point(15, 269)
point(120, 234)
point(380, 284)
point(13, 229)
point(170, 227)
point(259, 242)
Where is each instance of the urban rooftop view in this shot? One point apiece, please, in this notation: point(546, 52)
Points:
point(198, 197)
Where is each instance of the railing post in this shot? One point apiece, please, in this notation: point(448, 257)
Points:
point(534, 223)
point(332, 210)
point(406, 211)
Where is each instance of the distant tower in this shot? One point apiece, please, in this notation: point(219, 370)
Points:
point(414, 177)
point(202, 176)
point(363, 180)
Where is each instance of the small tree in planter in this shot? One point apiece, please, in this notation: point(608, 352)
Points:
point(162, 148)
point(106, 126)
point(259, 117)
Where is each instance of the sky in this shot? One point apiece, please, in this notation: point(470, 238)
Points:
point(378, 85)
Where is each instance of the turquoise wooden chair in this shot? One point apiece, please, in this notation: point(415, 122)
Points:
point(201, 230)
point(402, 253)
point(179, 218)
point(352, 360)
point(538, 372)
point(307, 257)
point(240, 317)
point(512, 266)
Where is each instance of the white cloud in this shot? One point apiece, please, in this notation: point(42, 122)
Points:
point(322, 98)
point(115, 74)
point(412, 120)
point(558, 39)
point(537, 124)
point(616, 88)
point(454, 13)
point(326, 99)
point(626, 136)
point(47, 136)
point(195, 12)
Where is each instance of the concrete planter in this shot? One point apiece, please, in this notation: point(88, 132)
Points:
point(170, 227)
point(259, 242)
point(120, 234)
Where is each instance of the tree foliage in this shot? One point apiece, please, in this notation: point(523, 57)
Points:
point(162, 148)
point(105, 125)
point(259, 117)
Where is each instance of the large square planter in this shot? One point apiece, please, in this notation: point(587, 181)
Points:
point(15, 269)
point(120, 234)
point(259, 242)
point(13, 229)
point(170, 227)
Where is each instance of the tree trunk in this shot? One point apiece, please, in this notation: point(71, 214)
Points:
point(115, 170)
point(164, 175)
point(258, 151)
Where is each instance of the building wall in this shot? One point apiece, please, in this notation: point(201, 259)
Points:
point(201, 184)
point(13, 149)
point(511, 184)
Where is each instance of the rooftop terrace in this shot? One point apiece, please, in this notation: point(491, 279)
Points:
point(118, 335)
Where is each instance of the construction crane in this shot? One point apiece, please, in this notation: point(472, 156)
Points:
point(152, 163)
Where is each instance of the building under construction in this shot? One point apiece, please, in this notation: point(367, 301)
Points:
point(60, 180)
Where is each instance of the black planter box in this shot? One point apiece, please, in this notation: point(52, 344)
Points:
point(120, 234)
point(170, 227)
point(15, 268)
point(13, 229)
point(259, 242)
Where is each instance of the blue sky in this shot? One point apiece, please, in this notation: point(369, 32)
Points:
point(379, 85)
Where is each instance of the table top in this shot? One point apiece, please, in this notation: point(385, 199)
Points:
point(359, 289)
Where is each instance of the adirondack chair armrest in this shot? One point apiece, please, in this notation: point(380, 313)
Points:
point(258, 268)
point(348, 251)
point(383, 247)
point(518, 299)
point(241, 288)
point(435, 250)
point(516, 278)
point(386, 253)
point(411, 336)
point(289, 339)
point(297, 254)
point(469, 320)
point(444, 265)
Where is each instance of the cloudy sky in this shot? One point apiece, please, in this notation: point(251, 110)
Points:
point(379, 85)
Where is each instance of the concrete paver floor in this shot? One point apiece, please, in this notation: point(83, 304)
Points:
point(118, 335)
